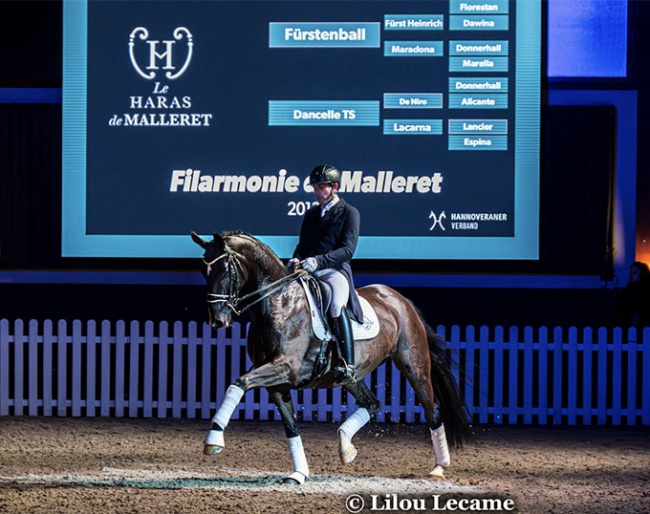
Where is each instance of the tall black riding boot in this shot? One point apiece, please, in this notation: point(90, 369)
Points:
point(343, 330)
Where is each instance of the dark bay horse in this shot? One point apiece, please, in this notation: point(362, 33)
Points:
point(242, 273)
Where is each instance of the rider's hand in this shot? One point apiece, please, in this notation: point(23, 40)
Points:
point(293, 264)
point(309, 264)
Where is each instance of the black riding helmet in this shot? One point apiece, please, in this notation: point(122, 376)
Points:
point(325, 174)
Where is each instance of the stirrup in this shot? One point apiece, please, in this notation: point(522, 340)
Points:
point(345, 375)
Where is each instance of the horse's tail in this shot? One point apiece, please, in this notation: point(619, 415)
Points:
point(453, 411)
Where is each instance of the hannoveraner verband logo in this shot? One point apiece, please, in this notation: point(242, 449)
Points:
point(437, 220)
point(161, 60)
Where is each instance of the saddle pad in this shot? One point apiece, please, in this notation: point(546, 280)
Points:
point(366, 330)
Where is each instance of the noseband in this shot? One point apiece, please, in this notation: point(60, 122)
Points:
point(235, 271)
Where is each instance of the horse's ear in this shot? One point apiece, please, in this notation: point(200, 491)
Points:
point(198, 239)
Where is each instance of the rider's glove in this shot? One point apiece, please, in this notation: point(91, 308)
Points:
point(293, 263)
point(309, 264)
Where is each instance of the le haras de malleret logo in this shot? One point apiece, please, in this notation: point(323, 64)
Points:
point(160, 62)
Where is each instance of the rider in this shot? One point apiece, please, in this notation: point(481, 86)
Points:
point(328, 239)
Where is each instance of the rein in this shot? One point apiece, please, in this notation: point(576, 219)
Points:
point(241, 304)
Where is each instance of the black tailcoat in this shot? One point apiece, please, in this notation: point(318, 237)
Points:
point(332, 240)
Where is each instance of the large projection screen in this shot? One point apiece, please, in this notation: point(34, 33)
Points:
point(208, 116)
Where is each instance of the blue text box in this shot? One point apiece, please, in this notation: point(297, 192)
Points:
point(479, 22)
point(478, 7)
point(412, 100)
point(413, 49)
point(478, 127)
point(323, 113)
point(412, 127)
point(414, 22)
point(478, 48)
point(324, 35)
point(478, 101)
point(478, 84)
point(478, 143)
point(478, 64)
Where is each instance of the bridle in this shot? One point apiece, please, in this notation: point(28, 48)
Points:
point(235, 271)
point(239, 304)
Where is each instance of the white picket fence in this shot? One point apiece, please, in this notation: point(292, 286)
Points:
point(530, 376)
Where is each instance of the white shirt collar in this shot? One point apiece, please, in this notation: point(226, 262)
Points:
point(329, 205)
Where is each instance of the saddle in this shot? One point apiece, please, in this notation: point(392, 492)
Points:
point(319, 297)
point(322, 297)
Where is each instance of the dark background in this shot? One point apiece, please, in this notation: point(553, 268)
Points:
point(579, 146)
point(239, 138)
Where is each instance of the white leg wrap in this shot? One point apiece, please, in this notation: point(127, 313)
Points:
point(440, 450)
point(214, 438)
point(354, 423)
point(300, 466)
point(233, 396)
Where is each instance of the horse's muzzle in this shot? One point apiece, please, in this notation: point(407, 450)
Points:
point(218, 320)
point(215, 323)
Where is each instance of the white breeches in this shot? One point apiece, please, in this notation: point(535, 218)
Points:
point(340, 289)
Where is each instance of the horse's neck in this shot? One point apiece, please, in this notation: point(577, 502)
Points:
point(263, 266)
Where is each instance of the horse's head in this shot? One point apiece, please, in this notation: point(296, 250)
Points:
point(224, 276)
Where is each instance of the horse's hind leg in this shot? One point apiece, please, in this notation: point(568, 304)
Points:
point(368, 405)
point(420, 380)
point(282, 399)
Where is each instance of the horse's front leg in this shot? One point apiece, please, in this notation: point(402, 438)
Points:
point(270, 374)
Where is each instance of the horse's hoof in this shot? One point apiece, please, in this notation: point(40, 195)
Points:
point(348, 455)
point(214, 442)
point(438, 473)
point(211, 449)
point(295, 478)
